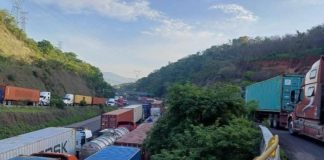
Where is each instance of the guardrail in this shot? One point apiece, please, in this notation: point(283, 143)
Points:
point(269, 148)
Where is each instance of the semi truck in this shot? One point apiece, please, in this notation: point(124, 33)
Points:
point(14, 95)
point(75, 99)
point(44, 98)
point(273, 98)
point(308, 116)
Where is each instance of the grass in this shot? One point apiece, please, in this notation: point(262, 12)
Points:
point(19, 120)
point(283, 155)
point(22, 109)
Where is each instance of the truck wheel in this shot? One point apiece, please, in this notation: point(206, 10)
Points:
point(290, 127)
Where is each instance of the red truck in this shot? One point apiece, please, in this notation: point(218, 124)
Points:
point(308, 115)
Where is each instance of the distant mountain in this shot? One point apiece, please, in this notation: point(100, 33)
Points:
point(115, 79)
point(242, 61)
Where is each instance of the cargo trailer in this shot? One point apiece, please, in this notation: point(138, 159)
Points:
point(107, 138)
point(12, 95)
point(273, 98)
point(137, 112)
point(98, 101)
point(116, 118)
point(79, 98)
point(136, 137)
point(117, 153)
point(52, 139)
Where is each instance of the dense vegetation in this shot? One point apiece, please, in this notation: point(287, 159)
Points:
point(204, 123)
point(45, 59)
point(18, 120)
point(236, 61)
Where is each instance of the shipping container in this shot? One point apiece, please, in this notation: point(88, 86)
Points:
point(52, 139)
point(13, 94)
point(98, 101)
point(147, 110)
point(97, 144)
point(117, 153)
point(32, 158)
point(79, 98)
point(273, 97)
point(114, 118)
point(137, 112)
point(136, 137)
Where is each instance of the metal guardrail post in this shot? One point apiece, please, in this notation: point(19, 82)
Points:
point(271, 149)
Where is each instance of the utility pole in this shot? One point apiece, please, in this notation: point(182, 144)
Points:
point(16, 9)
point(19, 14)
point(23, 20)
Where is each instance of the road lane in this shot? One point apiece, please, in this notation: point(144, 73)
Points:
point(300, 147)
point(93, 124)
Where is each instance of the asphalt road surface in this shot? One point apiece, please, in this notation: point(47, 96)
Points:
point(300, 147)
point(93, 124)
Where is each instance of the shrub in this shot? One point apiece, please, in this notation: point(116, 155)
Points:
point(11, 77)
point(57, 102)
point(83, 103)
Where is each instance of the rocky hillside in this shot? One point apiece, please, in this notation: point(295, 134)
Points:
point(27, 63)
point(242, 61)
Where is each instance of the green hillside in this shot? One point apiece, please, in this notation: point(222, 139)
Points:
point(242, 61)
point(27, 63)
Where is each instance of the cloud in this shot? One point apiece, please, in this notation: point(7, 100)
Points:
point(118, 9)
point(239, 12)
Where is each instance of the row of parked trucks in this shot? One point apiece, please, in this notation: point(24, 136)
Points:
point(12, 95)
point(295, 102)
point(121, 138)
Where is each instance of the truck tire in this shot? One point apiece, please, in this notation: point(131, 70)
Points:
point(290, 127)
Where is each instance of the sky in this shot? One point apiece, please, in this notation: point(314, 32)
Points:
point(133, 38)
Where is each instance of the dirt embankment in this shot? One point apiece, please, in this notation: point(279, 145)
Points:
point(269, 68)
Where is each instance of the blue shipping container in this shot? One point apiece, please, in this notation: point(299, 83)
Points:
point(117, 153)
point(274, 94)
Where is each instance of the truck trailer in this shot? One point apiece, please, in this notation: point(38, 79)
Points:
point(52, 139)
point(117, 153)
point(118, 118)
point(308, 116)
point(273, 98)
point(13, 95)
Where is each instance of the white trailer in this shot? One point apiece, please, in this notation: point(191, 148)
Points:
point(52, 139)
point(137, 112)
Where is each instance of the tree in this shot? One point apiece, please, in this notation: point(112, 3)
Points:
point(203, 123)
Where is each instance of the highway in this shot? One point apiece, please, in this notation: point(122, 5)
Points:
point(300, 147)
point(93, 124)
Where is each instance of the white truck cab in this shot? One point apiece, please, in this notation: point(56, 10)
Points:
point(68, 99)
point(44, 98)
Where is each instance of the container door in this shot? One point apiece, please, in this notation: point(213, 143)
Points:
point(290, 83)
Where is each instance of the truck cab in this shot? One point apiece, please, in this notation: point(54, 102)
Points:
point(68, 99)
point(308, 116)
point(44, 98)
